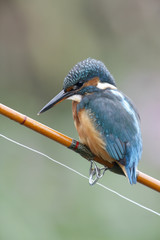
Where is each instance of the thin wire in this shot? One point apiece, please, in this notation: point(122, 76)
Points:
point(78, 173)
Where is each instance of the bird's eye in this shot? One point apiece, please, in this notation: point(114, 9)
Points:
point(74, 87)
point(77, 85)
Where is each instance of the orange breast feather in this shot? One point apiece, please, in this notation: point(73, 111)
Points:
point(88, 134)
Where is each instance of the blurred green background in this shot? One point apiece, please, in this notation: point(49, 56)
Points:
point(39, 43)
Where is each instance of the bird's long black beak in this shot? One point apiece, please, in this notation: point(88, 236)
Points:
point(58, 98)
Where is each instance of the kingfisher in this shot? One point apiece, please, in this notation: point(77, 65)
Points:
point(106, 120)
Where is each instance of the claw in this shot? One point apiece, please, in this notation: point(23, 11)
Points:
point(95, 173)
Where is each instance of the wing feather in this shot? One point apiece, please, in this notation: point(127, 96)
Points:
point(118, 127)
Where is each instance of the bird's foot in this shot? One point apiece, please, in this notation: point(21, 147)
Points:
point(95, 173)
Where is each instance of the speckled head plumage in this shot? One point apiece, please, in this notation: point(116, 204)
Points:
point(86, 70)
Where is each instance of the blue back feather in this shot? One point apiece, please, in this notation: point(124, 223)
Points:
point(119, 127)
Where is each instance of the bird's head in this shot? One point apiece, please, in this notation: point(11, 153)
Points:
point(84, 78)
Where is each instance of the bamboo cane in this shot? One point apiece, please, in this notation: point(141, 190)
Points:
point(70, 143)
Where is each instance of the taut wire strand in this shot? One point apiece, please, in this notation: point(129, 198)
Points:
point(80, 174)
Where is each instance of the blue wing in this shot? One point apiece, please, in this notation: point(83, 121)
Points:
point(118, 122)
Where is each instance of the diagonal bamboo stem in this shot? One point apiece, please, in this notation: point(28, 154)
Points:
point(71, 144)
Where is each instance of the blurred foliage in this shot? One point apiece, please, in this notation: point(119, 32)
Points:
point(39, 42)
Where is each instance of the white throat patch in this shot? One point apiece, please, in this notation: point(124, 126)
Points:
point(76, 98)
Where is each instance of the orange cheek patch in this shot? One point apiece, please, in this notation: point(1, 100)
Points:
point(93, 82)
point(69, 89)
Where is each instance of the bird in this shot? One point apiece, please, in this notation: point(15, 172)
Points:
point(106, 120)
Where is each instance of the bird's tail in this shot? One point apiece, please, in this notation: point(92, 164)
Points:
point(130, 172)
